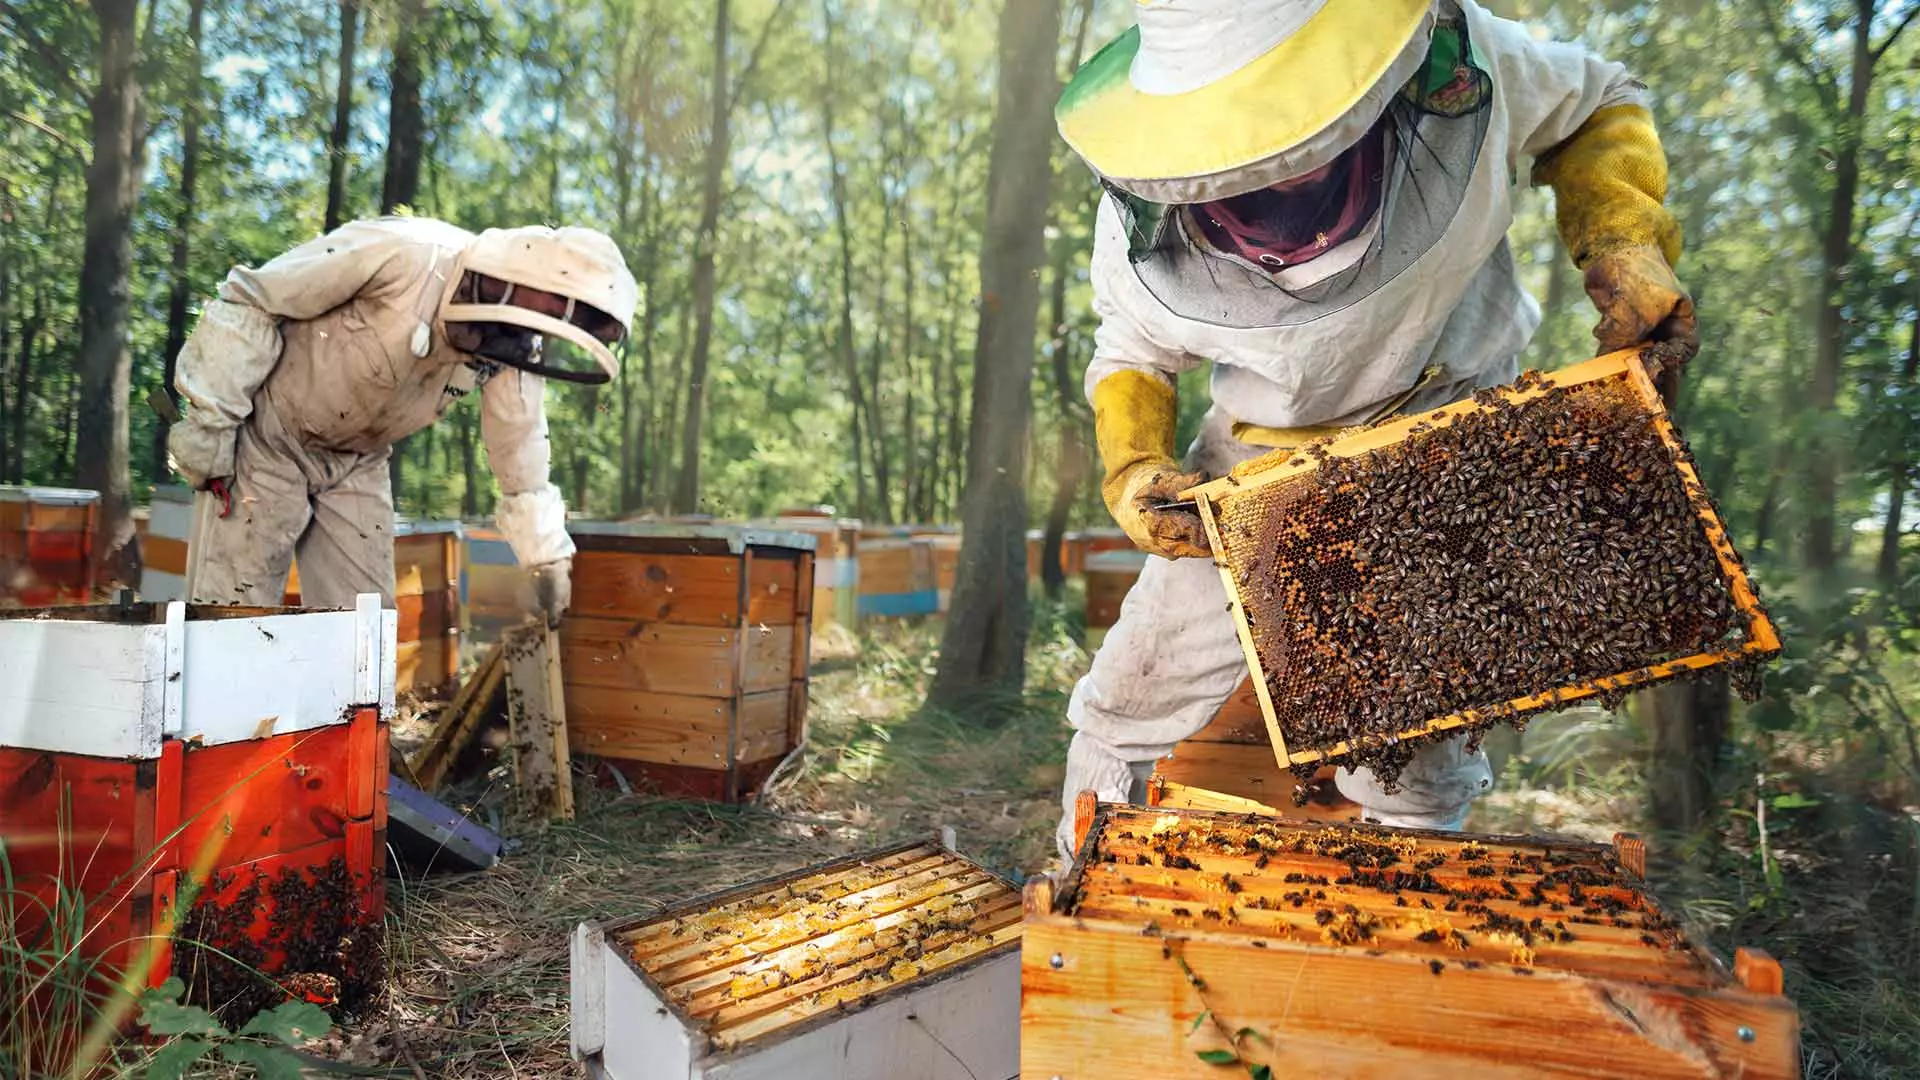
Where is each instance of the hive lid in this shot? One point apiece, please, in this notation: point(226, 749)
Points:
point(694, 538)
point(410, 527)
point(1127, 561)
point(771, 959)
point(56, 496)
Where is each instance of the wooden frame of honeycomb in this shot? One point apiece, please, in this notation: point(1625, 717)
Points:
point(1184, 940)
point(903, 958)
point(1626, 368)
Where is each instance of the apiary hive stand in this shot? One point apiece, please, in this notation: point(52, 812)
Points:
point(145, 746)
point(901, 962)
point(46, 545)
point(685, 652)
point(1584, 557)
point(1329, 950)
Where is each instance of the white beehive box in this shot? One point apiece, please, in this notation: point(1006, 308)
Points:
point(901, 962)
point(115, 682)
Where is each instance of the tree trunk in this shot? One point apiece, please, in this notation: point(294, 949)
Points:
point(406, 120)
point(181, 291)
point(342, 115)
point(23, 384)
point(713, 187)
point(983, 650)
point(1901, 467)
point(1689, 725)
point(843, 338)
point(1836, 249)
point(104, 362)
point(1072, 466)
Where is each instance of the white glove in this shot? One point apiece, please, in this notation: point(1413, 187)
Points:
point(553, 589)
point(201, 454)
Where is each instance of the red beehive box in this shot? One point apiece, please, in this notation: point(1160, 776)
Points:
point(46, 545)
point(156, 756)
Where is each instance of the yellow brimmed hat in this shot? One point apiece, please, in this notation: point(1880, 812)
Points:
point(1208, 99)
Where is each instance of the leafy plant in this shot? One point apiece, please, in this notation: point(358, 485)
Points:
point(265, 1044)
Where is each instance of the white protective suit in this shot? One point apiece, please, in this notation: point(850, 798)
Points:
point(1459, 308)
point(304, 372)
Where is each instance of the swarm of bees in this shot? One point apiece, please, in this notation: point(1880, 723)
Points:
point(318, 933)
point(1517, 549)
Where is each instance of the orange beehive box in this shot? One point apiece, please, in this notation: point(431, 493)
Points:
point(243, 750)
point(1184, 941)
point(428, 568)
point(498, 594)
point(685, 652)
point(46, 545)
point(836, 568)
point(163, 546)
point(1305, 581)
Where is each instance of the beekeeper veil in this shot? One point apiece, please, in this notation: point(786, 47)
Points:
point(552, 302)
point(1276, 161)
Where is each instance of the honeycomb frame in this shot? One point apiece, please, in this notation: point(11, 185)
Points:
point(1218, 497)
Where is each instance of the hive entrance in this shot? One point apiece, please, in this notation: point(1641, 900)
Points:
point(1478, 563)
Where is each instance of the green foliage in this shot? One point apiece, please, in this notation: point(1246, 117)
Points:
point(263, 1044)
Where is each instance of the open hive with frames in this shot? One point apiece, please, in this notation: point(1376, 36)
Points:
point(1537, 544)
point(1184, 940)
point(901, 961)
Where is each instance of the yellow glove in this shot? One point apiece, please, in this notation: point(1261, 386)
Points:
point(1133, 420)
point(1609, 181)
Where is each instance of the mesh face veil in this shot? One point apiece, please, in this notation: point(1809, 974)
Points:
point(1394, 193)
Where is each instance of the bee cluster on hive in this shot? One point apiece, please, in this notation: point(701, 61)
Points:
point(1543, 538)
point(1449, 901)
point(824, 942)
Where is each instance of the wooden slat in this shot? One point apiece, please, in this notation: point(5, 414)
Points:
point(537, 715)
point(651, 657)
point(764, 726)
point(773, 593)
point(457, 722)
point(1119, 998)
point(164, 553)
point(849, 877)
point(690, 590)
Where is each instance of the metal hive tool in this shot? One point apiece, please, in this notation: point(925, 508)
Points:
point(1538, 544)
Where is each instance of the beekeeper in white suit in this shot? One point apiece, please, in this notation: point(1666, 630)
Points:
point(304, 372)
point(1313, 196)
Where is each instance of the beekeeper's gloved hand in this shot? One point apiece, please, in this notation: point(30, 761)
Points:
point(553, 589)
point(1133, 420)
point(1640, 301)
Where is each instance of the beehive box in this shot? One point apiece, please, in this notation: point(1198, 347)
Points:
point(900, 962)
point(946, 566)
point(163, 547)
point(497, 593)
point(427, 565)
point(46, 545)
point(1229, 765)
point(147, 746)
point(897, 578)
point(836, 569)
point(1540, 544)
point(1184, 938)
point(1110, 576)
point(685, 652)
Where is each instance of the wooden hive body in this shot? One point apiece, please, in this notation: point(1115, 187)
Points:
point(427, 573)
point(163, 548)
point(685, 652)
point(896, 577)
point(836, 569)
point(901, 962)
point(496, 592)
point(1229, 765)
point(46, 545)
point(241, 749)
point(1110, 576)
point(1326, 950)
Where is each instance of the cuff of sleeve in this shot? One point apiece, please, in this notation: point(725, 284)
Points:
point(535, 525)
point(201, 452)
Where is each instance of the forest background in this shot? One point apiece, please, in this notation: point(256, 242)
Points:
point(801, 187)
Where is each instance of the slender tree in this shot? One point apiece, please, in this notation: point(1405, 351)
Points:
point(983, 650)
point(180, 289)
point(105, 362)
point(342, 116)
